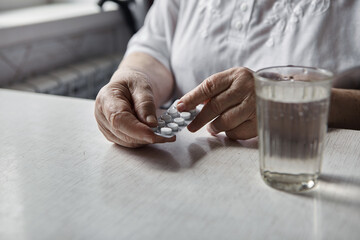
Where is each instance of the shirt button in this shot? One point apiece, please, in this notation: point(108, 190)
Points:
point(244, 7)
point(238, 25)
point(277, 6)
point(298, 11)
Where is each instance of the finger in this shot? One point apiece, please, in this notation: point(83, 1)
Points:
point(121, 117)
point(106, 129)
point(143, 100)
point(204, 116)
point(120, 136)
point(112, 138)
point(131, 143)
point(123, 137)
point(234, 116)
point(115, 100)
point(128, 124)
point(218, 105)
point(244, 131)
point(209, 88)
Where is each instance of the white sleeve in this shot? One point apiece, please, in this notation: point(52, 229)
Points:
point(156, 36)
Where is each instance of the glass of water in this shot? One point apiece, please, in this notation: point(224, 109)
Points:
point(292, 111)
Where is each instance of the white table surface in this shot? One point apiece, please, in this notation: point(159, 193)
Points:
point(61, 179)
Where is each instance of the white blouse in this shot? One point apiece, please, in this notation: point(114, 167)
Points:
point(196, 38)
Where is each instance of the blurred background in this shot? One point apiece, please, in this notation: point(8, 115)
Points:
point(65, 47)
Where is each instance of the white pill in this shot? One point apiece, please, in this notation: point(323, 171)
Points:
point(185, 115)
point(175, 115)
point(193, 111)
point(173, 126)
point(172, 110)
point(176, 102)
point(161, 123)
point(179, 121)
point(166, 118)
point(166, 131)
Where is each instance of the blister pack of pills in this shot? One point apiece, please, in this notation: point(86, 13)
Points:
point(171, 122)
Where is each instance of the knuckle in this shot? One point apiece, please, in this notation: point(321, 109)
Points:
point(237, 70)
point(114, 119)
point(208, 86)
point(242, 73)
point(147, 87)
point(143, 87)
point(137, 80)
point(241, 70)
point(143, 93)
point(115, 107)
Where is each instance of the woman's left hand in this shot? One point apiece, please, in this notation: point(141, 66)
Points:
point(229, 97)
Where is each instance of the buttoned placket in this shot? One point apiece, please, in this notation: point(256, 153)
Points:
point(240, 20)
point(202, 9)
point(208, 9)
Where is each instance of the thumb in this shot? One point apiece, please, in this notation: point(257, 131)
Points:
point(144, 104)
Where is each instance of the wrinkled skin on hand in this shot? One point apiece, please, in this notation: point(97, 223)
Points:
point(125, 110)
point(230, 100)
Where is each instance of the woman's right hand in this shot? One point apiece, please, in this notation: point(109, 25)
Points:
point(125, 110)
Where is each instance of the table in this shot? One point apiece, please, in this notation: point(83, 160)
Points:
point(61, 179)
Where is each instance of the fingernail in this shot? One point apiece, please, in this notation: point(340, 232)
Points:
point(180, 107)
point(191, 128)
point(151, 119)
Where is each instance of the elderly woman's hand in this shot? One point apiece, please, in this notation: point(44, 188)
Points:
point(230, 98)
point(125, 110)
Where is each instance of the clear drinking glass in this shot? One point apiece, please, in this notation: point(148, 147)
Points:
point(292, 111)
